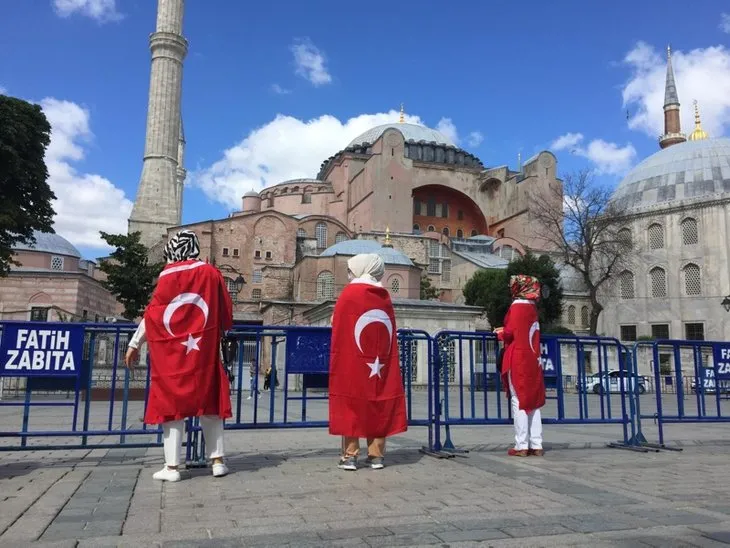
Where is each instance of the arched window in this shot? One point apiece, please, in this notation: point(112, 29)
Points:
point(656, 236)
point(416, 228)
point(445, 231)
point(431, 228)
point(690, 236)
point(340, 237)
point(506, 252)
point(325, 286)
point(395, 284)
point(320, 231)
point(584, 317)
point(626, 281)
point(658, 282)
point(473, 233)
point(459, 233)
point(301, 233)
point(692, 280)
point(571, 315)
point(624, 235)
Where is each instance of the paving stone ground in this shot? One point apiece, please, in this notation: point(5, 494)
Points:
point(284, 490)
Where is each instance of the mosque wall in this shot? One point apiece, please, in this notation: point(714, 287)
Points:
point(440, 209)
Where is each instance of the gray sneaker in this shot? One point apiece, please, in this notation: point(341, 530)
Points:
point(347, 463)
point(376, 463)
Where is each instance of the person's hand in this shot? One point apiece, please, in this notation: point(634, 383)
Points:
point(131, 357)
point(498, 330)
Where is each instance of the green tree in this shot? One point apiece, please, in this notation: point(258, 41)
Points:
point(130, 277)
point(428, 291)
point(489, 289)
point(25, 196)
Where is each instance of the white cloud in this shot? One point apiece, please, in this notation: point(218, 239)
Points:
point(100, 10)
point(725, 22)
point(447, 127)
point(85, 202)
point(310, 63)
point(609, 158)
point(276, 88)
point(285, 148)
point(475, 139)
point(3, 91)
point(701, 74)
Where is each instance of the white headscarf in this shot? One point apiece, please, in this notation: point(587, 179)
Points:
point(367, 266)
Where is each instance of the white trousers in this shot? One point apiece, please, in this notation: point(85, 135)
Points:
point(528, 426)
point(173, 432)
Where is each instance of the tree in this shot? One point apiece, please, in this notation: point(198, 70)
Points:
point(130, 277)
point(428, 291)
point(586, 232)
point(25, 196)
point(489, 289)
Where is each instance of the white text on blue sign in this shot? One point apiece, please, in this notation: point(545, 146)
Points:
point(41, 350)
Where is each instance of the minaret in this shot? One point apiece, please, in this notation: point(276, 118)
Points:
point(158, 204)
point(672, 129)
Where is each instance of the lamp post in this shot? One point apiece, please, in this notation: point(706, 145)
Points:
point(726, 303)
point(238, 282)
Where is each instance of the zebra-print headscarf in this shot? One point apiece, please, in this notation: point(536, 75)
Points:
point(182, 246)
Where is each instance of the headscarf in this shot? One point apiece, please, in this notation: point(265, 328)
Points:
point(368, 266)
point(524, 287)
point(182, 246)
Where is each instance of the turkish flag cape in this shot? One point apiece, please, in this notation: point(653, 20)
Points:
point(522, 355)
point(190, 308)
point(366, 397)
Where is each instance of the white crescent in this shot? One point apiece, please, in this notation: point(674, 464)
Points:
point(373, 316)
point(181, 300)
point(535, 327)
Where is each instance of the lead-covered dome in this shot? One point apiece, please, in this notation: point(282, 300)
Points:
point(351, 248)
point(50, 243)
point(684, 171)
point(410, 132)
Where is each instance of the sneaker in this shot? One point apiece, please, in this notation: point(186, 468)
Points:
point(536, 452)
point(347, 463)
point(517, 452)
point(167, 474)
point(248, 398)
point(376, 463)
point(219, 470)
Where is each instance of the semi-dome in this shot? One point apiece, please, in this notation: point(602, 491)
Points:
point(350, 248)
point(50, 243)
point(251, 194)
point(410, 132)
point(684, 171)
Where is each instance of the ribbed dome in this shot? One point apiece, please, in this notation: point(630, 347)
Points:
point(50, 243)
point(410, 132)
point(680, 172)
point(355, 247)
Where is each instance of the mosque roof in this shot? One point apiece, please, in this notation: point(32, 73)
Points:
point(684, 171)
point(410, 132)
point(50, 243)
point(389, 255)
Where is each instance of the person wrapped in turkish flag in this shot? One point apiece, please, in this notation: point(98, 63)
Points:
point(521, 373)
point(366, 396)
point(183, 323)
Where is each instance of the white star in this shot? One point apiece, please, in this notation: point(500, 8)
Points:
point(375, 367)
point(191, 344)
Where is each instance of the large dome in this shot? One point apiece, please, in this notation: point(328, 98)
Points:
point(410, 132)
point(355, 247)
point(50, 243)
point(684, 171)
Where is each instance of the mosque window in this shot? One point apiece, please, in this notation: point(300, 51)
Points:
point(256, 294)
point(306, 198)
point(438, 256)
point(656, 236)
point(690, 235)
point(257, 254)
point(628, 333)
point(269, 255)
point(473, 233)
point(325, 286)
point(257, 277)
point(624, 235)
point(301, 233)
point(584, 316)
point(445, 210)
point(506, 252)
point(692, 280)
point(626, 282)
point(445, 231)
point(431, 228)
point(416, 228)
point(431, 207)
point(235, 252)
point(340, 237)
point(660, 331)
point(395, 285)
point(694, 331)
point(460, 215)
point(226, 252)
point(459, 233)
point(320, 232)
point(39, 314)
point(658, 282)
point(56, 263)
point(446, 271)
point(571, 315)
point(416, 207)
point(271, 201)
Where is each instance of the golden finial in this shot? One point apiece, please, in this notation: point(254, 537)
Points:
point(698, 134)
point(402, 114)
point(387, 237)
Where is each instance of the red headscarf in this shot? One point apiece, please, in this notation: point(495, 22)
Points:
point(524, 287)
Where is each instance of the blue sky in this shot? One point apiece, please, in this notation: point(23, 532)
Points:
point(502, 77)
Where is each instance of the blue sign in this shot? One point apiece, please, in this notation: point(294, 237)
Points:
point(38, 350)
point(549, 356)
point(722, 360)
point(308, 351)
point(707, 375)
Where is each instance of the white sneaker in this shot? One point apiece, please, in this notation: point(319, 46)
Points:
point(167, 474)
point(220, 470)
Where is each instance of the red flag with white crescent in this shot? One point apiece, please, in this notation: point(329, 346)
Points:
point(190, 307)
point(366, 396)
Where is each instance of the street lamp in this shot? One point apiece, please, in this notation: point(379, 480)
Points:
point(240, 282)
point(726, 303)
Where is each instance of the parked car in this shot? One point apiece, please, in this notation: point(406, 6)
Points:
point(610, 381)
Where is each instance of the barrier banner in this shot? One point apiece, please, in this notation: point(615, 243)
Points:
point(37, 350)
point(548, 356)
point(722, 360)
